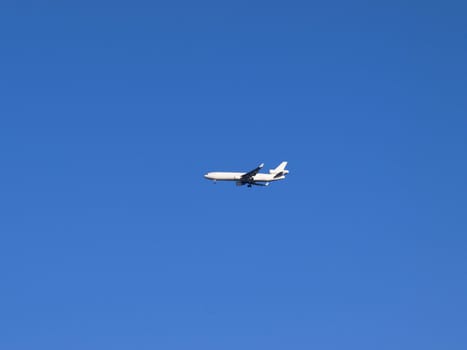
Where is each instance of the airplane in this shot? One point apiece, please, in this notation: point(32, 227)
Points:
point(252, 177)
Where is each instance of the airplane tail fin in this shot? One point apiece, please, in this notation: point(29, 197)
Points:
point(280, 169)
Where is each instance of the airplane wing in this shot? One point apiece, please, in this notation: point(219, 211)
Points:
point(252, 173)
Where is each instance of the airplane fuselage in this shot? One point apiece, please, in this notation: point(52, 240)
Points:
point(252, 177)
point(237, 176)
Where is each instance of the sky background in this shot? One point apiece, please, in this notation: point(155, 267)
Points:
point(112, 111)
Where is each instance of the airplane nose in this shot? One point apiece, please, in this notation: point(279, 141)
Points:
point(206, 176)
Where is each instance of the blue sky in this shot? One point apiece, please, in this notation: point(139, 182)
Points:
point(110, 114)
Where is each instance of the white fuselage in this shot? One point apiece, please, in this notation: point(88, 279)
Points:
point(237, 176)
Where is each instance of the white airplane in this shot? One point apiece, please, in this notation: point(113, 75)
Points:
point(253, 177)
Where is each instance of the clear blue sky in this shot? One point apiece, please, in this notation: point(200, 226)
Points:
point(111, 112)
